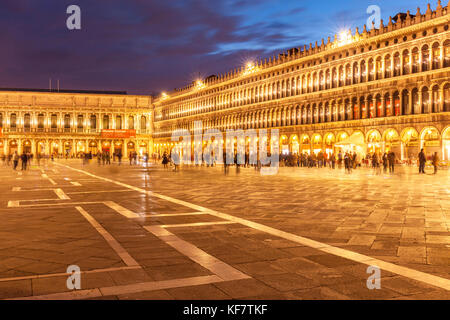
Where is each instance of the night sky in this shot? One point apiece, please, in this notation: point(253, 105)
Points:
point(147, 46)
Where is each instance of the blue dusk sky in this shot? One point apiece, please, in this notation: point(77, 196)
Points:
point(147, 46)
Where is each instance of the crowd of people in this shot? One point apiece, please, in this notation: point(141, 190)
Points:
point(350, 161)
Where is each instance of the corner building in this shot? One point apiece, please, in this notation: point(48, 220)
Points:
point(388, 88)
point(71, 122)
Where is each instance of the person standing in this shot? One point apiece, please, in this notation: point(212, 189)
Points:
point(435, 162)
point(422, 161)
point(391, 160)
point(165, 160)
point(24, 159)
point(119, 157)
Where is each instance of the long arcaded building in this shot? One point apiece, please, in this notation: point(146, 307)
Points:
point(68, 123)
point(388, 88)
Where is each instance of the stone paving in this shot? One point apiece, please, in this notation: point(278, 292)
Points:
point(150, 233)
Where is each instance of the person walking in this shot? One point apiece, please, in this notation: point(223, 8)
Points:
point(385, 162)
point(435, 162)
point(422, 161)
point(15, 159)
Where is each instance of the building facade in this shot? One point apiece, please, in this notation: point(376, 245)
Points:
point(389, 87)
point(69, 123)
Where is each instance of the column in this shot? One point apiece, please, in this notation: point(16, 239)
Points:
point(19, 146)
point(441, 100)
point(410, 106)
point(417, 109)
point(33, 147)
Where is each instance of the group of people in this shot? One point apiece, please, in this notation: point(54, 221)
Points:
point(423, 161)
point(25, 158)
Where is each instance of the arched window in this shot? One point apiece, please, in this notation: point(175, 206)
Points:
point(41, 122)
point(328, 79)
point(321, 81)
point(93, 122)
point(447, 97)
point(143, 123)
point(54, 122)
point(371, 70)
point(80, 122)
point(341, 76)
point(131, 122)
point(118, 122)
point(348, 81)
point(363, 72)
point(425, 58)
point(106, 122)
point(13, 121)
point(397, 64)
point(415, 101)
point(66, 122)
point(436, 55)
point(447, 54)
point(425, 107)
point(334, 78)
point(355, 73)
point(379, 68)
point(396, 101)
point(434, 99)
point(27, 122)
point(415, 60)
point(405, 101)
point(406, 62)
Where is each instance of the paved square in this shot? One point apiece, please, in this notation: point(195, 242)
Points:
point(139, 233)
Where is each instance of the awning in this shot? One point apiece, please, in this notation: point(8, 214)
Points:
point(354, 140)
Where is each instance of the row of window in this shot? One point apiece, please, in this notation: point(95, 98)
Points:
point(426, 58)
point(67, 123)
point(402, 102)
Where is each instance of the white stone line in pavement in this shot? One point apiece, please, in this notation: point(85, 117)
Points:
point(123, 211)
point(76, 184)
point(126, 289)
point(54, 275)
point(67, 179)
point(121, 252)
point(216, 266)
point(45, 176)
point(59, 192)
point(16, 204)
point(197, 224)
point(350, 255)
point(100, 191)
point(157, 215)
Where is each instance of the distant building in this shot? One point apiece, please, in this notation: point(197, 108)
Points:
point(68, 123)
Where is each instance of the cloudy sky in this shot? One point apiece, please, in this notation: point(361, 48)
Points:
point(149, 46)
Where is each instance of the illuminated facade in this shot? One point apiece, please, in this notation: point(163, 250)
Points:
point(389, 86)
point(68, 123)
